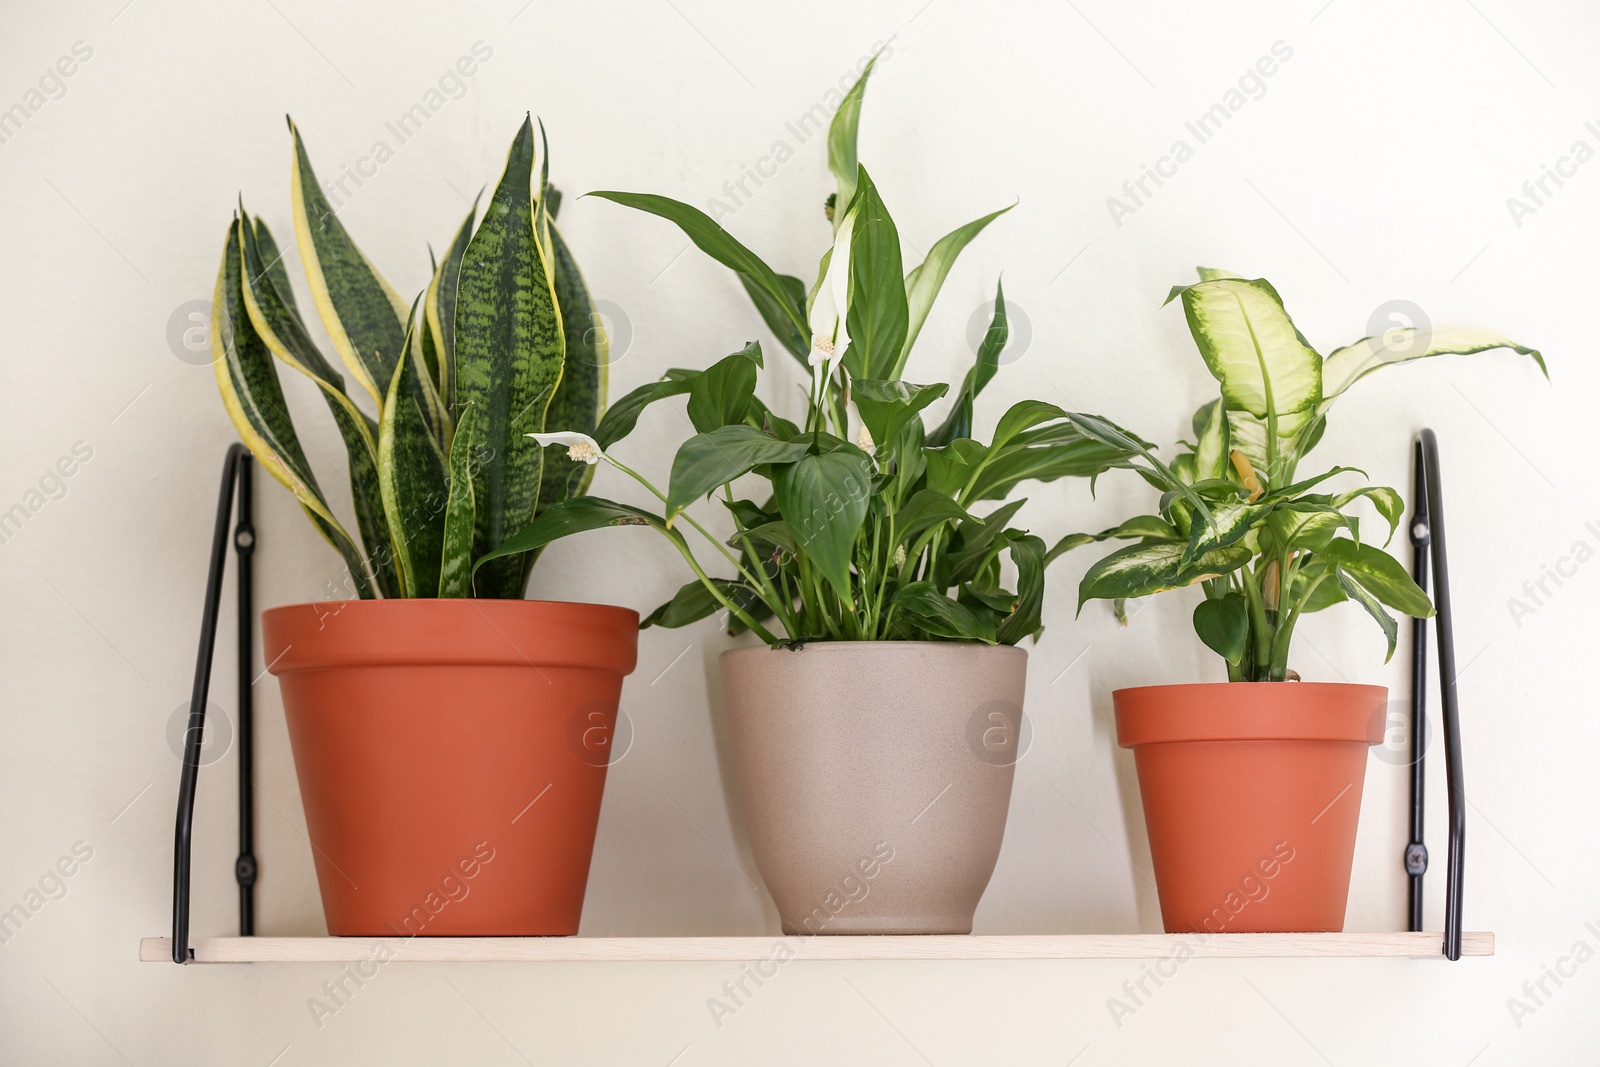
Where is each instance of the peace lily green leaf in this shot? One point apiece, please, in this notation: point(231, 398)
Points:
point(1346, 366)
point(248, 382)
point(362, 313)
point(938, 614)
point(1081, 458)
point(509, 350)
point(439, 307)
point(1224, 625)
point(1108, 433)
point(950, 466)
point(824, 500)
point(1028, 554)
point(886, 406)
point(774, 534)
point(1252, 347)
point(1381, 575)
point(413, 481)
point(927, 278)
point(577, 515)
point(877, 316)
point(842, 139)
point(709, 460)
point(717, 243)
point(975, 542)
point(582, 390)
point(1140, 570)
point(959, 422)
point(721, 395)
point(694, 602)
point(460, 520)
point(927, 508)
point(1021, 416)
point(779, 314)
point(620, 418)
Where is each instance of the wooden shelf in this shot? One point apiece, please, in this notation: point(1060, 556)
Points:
point(734, 949)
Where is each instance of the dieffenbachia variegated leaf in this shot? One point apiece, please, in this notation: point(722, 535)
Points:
point(248, 381)
point(412, 475)
point(927, 278)
point(1252, 347)
point(1212, 442)
point(1140, 570)
point(1346, 366)
point(439, 308)
point(362, 313)
point(281, 329)
point(508, 355)
point(455, 563)
point(580, 397)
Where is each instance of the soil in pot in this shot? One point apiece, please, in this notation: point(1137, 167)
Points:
point(874, 778)
point(1252, 793)
point(451, 756)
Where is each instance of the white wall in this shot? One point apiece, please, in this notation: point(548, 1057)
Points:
point(1376, 165)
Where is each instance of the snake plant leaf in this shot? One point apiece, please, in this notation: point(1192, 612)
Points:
point(508, 355)
point(1252, 347)
point(877, 317)
point(708, 460)
point(280, 328)
point(931, 610)
point(842, 136)
point(620, 418)
point(455, 556)
point(694, 602)
point(440, 425)
point(253, 397)
point(1346, 366)
point(922, 288)
point(362, 313)
point(439, 307)
point(1379, 574)
point(581, 394)
point(886, 407)
point(1028, 555)
point(959, 422)
point(577, 515)
point(721, 395)
point(1140, 570)
point(1354, 591)
point(413, 476)
point(1224, 625)
point(273, 265)
point(824, 499)
point(717, 243)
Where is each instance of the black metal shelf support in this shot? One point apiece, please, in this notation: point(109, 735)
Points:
point(1428, 548)
point(236, 472)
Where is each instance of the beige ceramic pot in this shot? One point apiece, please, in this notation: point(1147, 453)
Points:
point(874, 778)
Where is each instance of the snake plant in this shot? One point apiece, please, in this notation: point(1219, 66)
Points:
point(502, 343)
point(1266, 545)
point(863, 532)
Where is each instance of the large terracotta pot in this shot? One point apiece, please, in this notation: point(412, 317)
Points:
point(1251, 792)
point(451, 756)
point(874, 778)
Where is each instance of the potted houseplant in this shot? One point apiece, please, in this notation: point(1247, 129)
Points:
point(431, 709)
point(1252, 788)
point(872, 735)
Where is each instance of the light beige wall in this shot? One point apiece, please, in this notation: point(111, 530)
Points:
point(1376, 165)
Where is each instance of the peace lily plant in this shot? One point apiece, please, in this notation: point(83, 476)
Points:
point(867, 528)
point(1266, 545)
point(1261, 782)
point(432, 697)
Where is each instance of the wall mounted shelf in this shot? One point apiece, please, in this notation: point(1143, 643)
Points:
point(735, 949)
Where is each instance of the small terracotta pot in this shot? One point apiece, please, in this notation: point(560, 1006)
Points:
point(451, 756)
point(874, 778)
point(1251, 792)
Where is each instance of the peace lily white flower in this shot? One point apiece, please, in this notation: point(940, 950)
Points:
point(900, 556)
point(580, 446)
point(864, 440)
point(821, 351)
point(830, 302)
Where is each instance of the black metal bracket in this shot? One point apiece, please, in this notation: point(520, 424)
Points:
point(236, 471)
point(1428, 546)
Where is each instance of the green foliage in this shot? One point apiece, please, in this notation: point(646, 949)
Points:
point(502, 343)
point(1266, 548)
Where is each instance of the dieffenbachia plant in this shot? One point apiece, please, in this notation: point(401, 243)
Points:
point(865, 528)
point(1267, 547)
point(501, 344)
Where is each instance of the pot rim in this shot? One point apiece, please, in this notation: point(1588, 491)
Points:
point(1250, 711)
point(417, 631)
point(818, 645)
